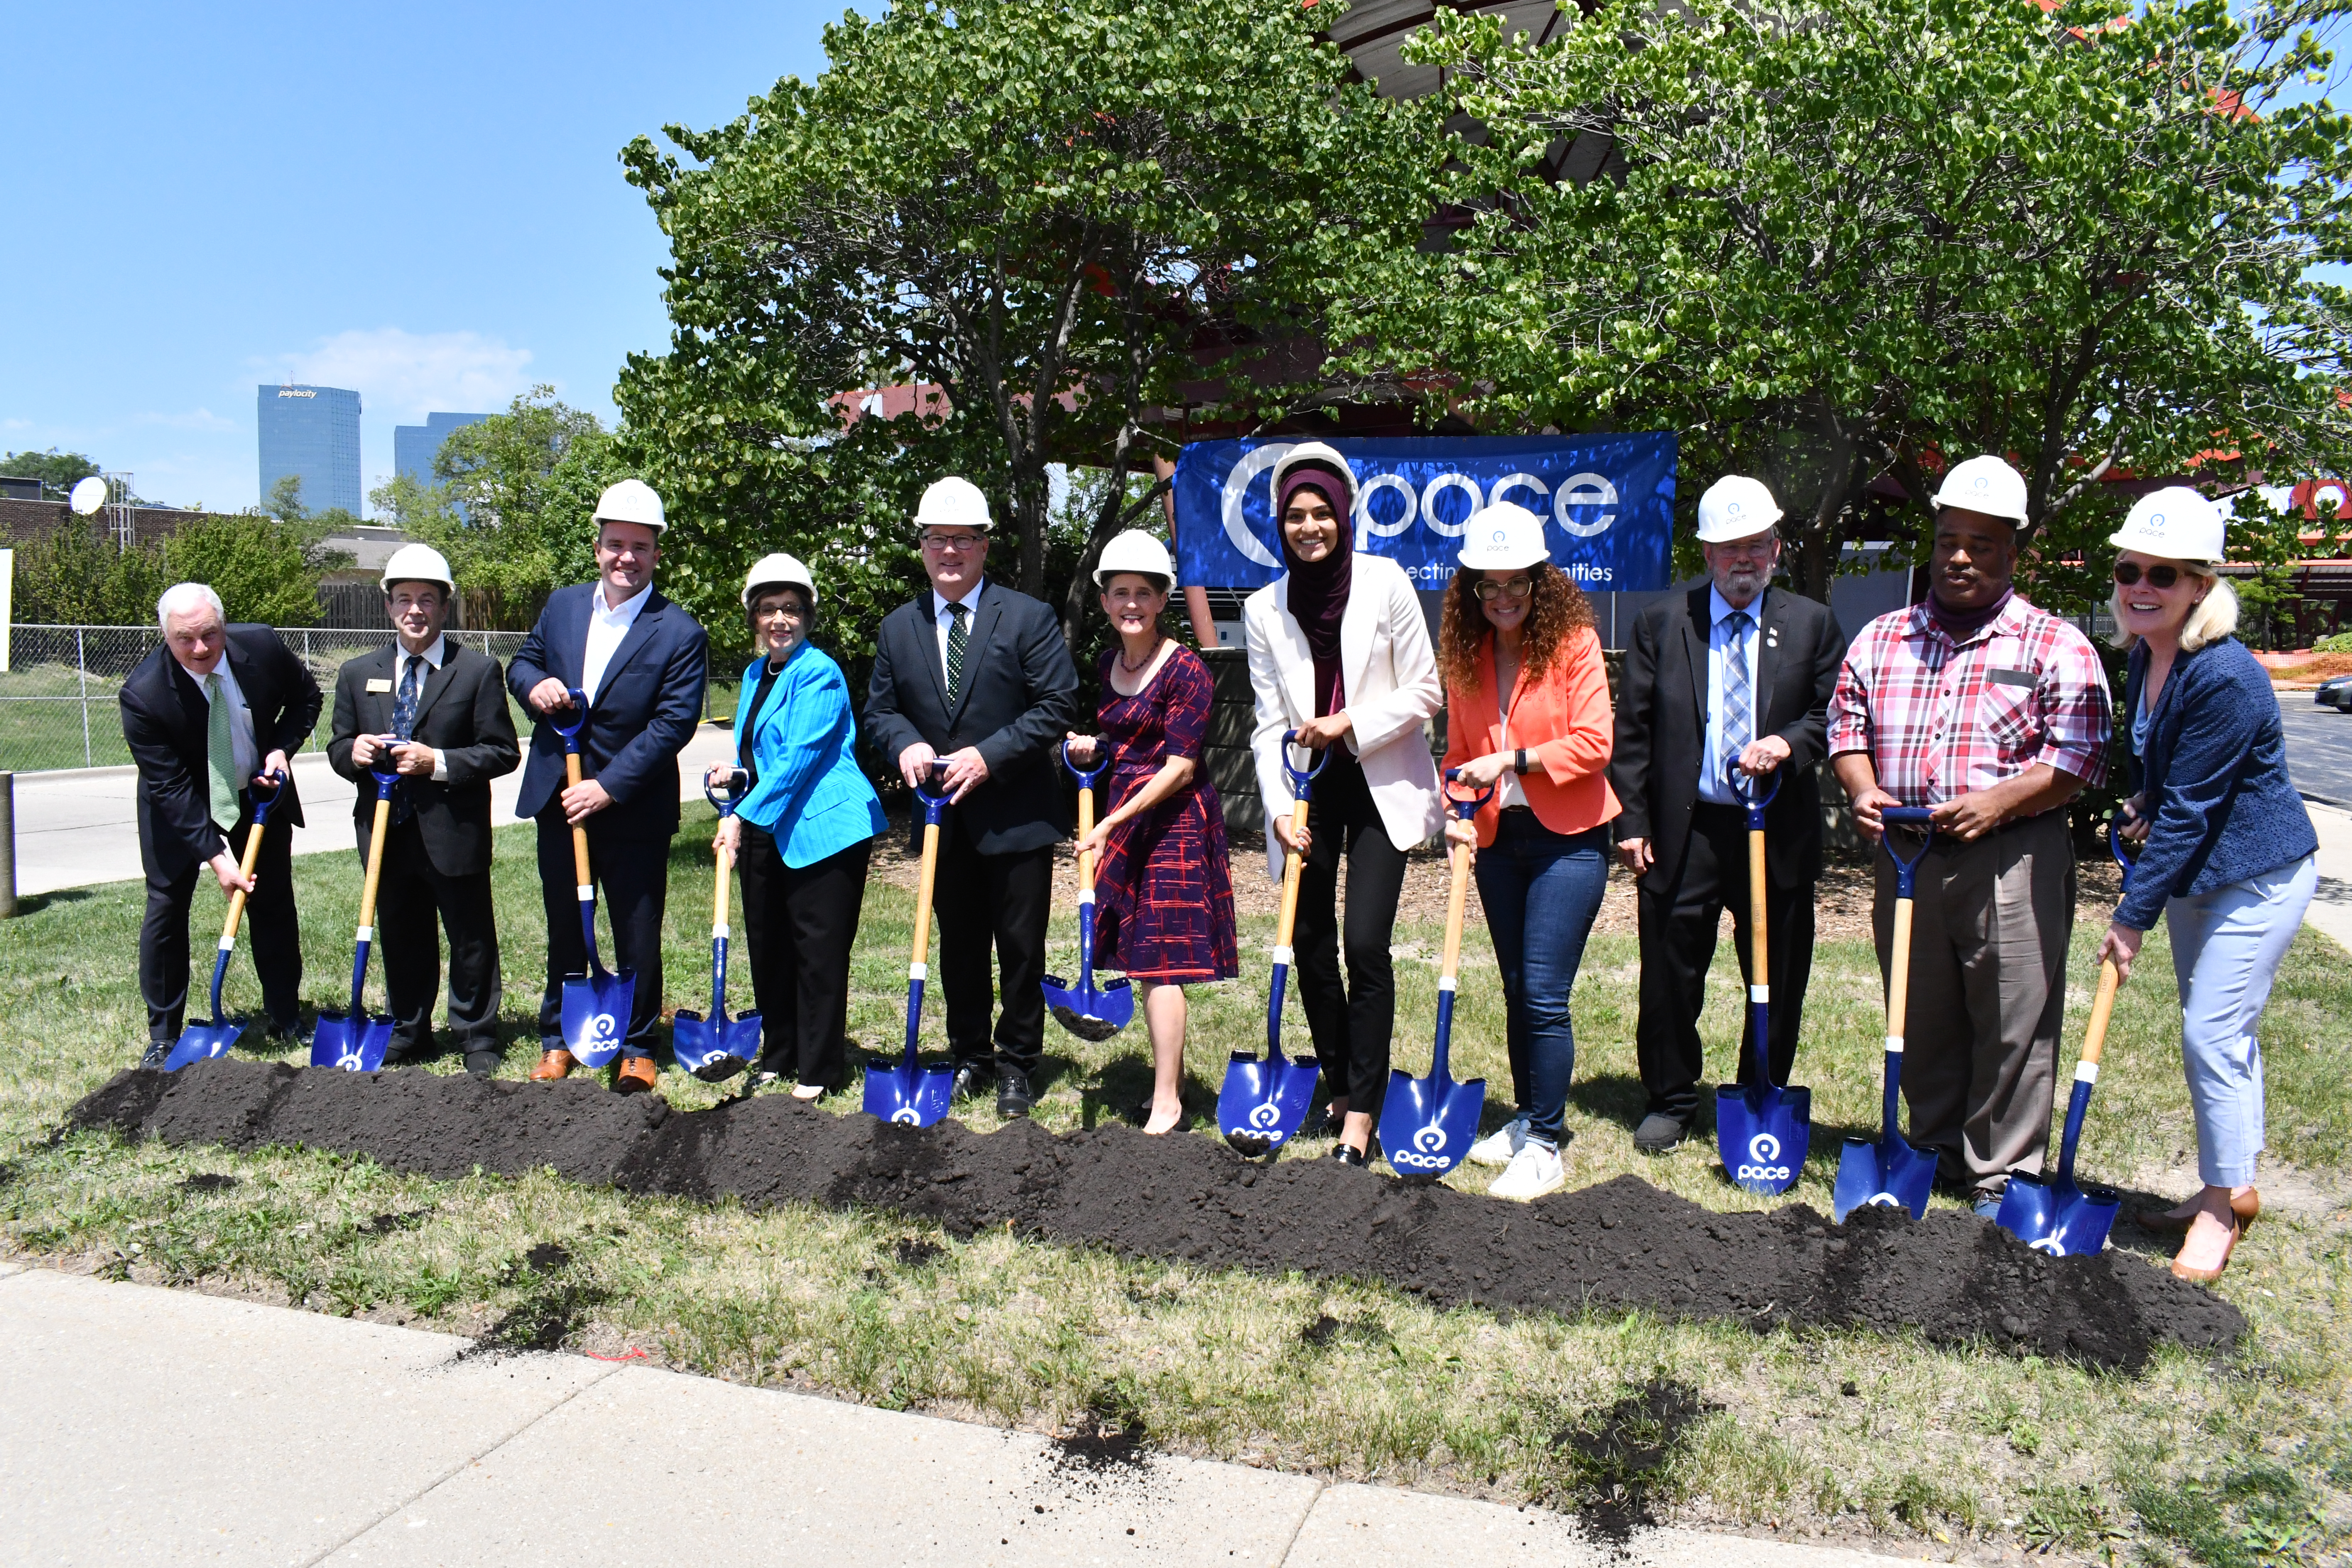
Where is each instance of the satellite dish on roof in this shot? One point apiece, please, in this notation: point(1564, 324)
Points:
point(89, 494)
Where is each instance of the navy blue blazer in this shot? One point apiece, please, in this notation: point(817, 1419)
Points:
point(646, 713)
point(2213, 779)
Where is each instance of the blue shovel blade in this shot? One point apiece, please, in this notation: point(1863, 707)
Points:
point(354, 1045)
point(1763, 1135)
point(596, 1015)
point(202, 1043)
point(1090, 1012)
point(911, 1095)
point(1265, 1102)
point(715, 1051)
point(2058, 1217)
point(1892, 1174)
point(1427, 1124)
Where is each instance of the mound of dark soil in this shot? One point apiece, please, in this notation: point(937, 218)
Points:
point(1623, 1244)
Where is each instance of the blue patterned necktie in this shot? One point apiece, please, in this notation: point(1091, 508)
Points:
point(404, 724)
point(1738, 714)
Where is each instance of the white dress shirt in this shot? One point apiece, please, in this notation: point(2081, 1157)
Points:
point(435, 652)
point(941, 620)
point(1714, 783)
point(243, 750)
point(607, 626)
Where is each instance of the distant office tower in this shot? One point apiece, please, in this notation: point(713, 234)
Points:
point(414, 447)
point(312, 431)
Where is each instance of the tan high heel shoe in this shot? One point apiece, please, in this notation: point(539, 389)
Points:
point(2206, 1276)
point(2246, 1206)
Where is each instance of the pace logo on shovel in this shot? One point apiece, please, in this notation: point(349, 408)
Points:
point(356, 1041)
point(202, 1042)
point(1763, 1131)
point(1427, 1123)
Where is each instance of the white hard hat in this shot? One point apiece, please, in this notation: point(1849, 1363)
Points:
point(953, 502)
point(1322, 455)
point(1503, 537)
point(778, 570)
point(1134, 550)
point(2175, 523)
point(1736, 506)
point(1984, 484)
point(418, 564)
point(631, 501)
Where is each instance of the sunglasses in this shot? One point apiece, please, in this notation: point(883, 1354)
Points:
point(2129, 573)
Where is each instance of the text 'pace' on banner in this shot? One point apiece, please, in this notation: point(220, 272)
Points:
point(1607, 502)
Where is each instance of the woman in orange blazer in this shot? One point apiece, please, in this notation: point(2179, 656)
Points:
point(1527, 713)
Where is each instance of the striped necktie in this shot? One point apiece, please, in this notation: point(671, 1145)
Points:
point(220, 753)
point(958, 639)
point(1739, 697)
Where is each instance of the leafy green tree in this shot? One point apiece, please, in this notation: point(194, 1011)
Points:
point(75, 576)
point(1048, 213)
point(510, 501)
point(58, 472)
point(1835, 240)
point(261, 566)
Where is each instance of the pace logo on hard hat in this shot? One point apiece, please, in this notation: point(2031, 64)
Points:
point(1763, 1161)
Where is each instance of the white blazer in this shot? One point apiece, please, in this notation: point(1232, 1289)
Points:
point(1388, 683)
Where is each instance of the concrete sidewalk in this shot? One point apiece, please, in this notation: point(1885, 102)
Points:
point(2331, 905)
point(151, 1426)
point(81, 826)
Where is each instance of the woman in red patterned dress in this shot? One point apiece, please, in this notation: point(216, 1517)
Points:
point(1163, 894)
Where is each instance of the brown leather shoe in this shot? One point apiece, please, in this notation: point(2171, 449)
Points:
point(635, 1075)
point(2208, 1276)
point(2247, 1206)
point(553, 1065)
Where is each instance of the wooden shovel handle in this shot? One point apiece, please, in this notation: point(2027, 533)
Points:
point(1292, 864)
point(922, 944)
point(1757, 944)
point(236, 899)
point(579, 832)
point(1085, 825)
point(1898, 978)
point(2094, 1037)
point(375, 861)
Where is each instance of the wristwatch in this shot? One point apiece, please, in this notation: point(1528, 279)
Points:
point(1519, 760)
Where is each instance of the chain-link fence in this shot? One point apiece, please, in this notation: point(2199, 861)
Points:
point(58, 707)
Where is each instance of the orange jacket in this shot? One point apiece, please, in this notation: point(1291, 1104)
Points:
point(1563, 723)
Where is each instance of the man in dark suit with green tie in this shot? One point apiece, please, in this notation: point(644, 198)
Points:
point(441, 711)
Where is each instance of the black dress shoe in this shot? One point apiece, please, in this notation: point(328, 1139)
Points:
point(1348, 1154)
point(970, 1077)
point(156, 1051)
point(289, 1033)
point(1660, 1132)
point(1013, 1097)
point(484, 1061)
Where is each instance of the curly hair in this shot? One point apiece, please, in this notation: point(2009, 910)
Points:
point(1557, 610)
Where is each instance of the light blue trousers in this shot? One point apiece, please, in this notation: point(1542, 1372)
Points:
point(2226, 948)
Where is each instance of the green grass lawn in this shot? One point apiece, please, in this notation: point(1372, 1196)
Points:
point(2239, 1458)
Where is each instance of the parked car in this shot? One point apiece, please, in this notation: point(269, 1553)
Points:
point(2336, 694)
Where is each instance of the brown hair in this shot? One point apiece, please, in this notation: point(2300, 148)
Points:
point(1557, 610)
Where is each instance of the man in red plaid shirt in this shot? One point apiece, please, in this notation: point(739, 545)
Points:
point(1993, 715)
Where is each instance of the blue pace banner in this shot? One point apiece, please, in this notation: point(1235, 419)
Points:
point(1607, 502)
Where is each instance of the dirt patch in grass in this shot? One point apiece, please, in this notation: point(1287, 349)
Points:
point(1622, 1245)
point(1615, 1456)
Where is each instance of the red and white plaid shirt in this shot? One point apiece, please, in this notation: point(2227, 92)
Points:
point(1939, 719)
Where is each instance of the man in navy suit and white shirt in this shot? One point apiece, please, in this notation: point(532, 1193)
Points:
point(640, 660)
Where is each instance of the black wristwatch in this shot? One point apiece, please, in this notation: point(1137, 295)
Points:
point(1520, 761)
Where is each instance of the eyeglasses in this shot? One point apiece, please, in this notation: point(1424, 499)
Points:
point(2158, 576)
point(1491, 589)
point(787, 610)
point(954, 541)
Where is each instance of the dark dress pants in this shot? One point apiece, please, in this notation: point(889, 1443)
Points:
point(1350, 1020)
point(1005, 900)
point(1679, 929)
point(272, 933)
point(414, 905)
point(799, 925)
point(632, 876)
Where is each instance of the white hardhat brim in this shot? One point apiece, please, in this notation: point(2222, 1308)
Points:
point(404, 566)
point(778, 570)
point(1502, 537)
point(1317, 454)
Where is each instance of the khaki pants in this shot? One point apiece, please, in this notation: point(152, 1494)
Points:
point(1988, 937)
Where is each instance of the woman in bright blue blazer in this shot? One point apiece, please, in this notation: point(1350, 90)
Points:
point(803, 834)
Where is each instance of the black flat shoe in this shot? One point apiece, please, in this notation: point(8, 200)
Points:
point(1348, 1154)
point(970, 1080)
point(156, 1051)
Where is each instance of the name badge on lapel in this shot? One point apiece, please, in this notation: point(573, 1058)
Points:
point(379, 684)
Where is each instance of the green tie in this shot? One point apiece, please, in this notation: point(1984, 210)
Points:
point(220, 754)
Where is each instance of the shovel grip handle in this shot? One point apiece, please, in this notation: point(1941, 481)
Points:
point(1301, 779)
point(580, 875)
point(1086, 827)
point(2103, 1007)
point(1293, 863)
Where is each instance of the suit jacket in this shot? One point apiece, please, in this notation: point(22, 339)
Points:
point(811, 795)
point(644, 715)
point(167, 723)
point(461, 712)
point(1019, 698)
point(1662, 724)
point(1387, 685)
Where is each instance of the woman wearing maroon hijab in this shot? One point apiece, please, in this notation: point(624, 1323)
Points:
point(1339, 651)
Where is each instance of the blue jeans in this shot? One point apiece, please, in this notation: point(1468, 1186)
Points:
point(2226, 948)
point(1542, 891)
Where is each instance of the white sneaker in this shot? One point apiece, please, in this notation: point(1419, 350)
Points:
point(1502, 1145)
point(1533, 1172)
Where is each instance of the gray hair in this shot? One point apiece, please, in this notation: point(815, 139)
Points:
point(180, 597)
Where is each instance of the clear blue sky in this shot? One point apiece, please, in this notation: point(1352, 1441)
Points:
point(421, 200)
